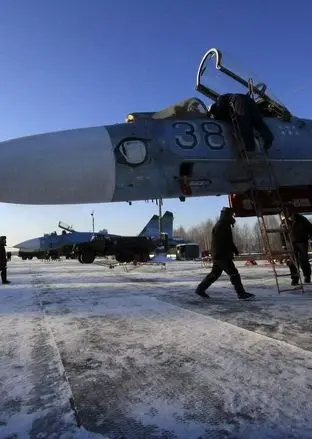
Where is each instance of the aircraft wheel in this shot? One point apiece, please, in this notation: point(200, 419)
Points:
point(87, 256)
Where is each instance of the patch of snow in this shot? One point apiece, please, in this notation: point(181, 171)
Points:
point(142, 356)
point(82, 433)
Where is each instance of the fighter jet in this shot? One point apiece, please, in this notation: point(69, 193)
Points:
point(86, 245)
point(178, 152)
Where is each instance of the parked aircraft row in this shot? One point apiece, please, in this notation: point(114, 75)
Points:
point(86, 246)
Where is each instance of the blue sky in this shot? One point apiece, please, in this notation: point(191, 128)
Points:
point(69, 64)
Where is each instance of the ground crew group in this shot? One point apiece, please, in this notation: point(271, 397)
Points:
point(245, 116)
point(223, 250)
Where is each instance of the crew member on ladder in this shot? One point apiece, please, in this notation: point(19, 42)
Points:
point(222, 250)
point(300, 230)
point(245, 115)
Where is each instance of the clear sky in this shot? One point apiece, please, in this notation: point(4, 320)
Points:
point(79, 63)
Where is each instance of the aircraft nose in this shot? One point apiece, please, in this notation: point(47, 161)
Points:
point(30, 244)
point(65, 167)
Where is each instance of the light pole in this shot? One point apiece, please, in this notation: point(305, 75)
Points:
point(92, 214)
point(160, 225)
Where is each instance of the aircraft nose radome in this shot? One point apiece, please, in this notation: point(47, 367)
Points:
point(30, 244)
point(65, 167)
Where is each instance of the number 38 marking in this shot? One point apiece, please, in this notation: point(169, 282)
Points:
point(188, 138)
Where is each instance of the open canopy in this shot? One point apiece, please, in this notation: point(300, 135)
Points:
point(215, 77)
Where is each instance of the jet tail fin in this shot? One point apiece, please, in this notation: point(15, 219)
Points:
point(152, 227)
point(167, 223)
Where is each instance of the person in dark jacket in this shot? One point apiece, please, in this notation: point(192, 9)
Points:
point(3, 260)
point(248, 117)
point(222, 251)
point(300, 230)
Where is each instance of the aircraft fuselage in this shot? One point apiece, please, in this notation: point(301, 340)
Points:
point(144, 160)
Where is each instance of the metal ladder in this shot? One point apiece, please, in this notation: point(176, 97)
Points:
point(265, 231)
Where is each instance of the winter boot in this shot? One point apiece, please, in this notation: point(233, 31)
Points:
point(4, 276)
point(307, 279)
point(294, 282)
point(203, 285)
point(201, 292)
point(246, 296)
point(240, 290)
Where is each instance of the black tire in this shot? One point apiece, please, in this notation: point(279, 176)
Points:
point(87, 256)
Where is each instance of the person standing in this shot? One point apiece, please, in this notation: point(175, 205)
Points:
point(222, 251)
point(300, 230)
point(3, 260)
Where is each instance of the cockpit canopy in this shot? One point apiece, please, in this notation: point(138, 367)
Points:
point(187, 109)
point(215, 78)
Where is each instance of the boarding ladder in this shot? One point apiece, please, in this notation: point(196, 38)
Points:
point(264, 163)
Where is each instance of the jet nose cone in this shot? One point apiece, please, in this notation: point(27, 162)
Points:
point(66, 167)
point(30, 244)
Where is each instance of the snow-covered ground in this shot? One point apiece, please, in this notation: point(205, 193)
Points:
point(92, 352)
